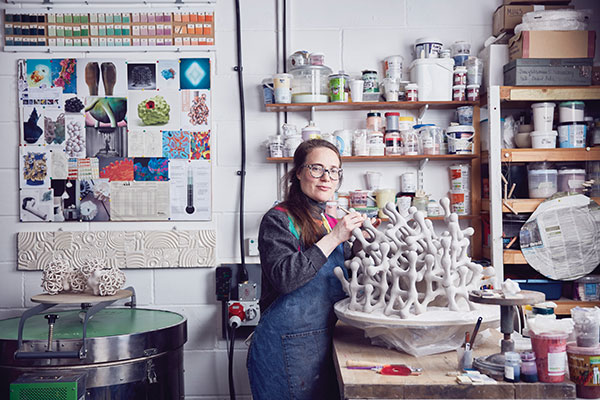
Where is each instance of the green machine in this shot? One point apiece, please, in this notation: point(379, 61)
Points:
point(92, 352)
point(65, 386)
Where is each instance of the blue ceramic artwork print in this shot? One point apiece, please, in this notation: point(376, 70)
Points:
point(194, 73)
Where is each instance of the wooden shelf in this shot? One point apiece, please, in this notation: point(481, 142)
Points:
point(509, 256)
point(549, 93)
point(441, 218)
point(521, 205)
point(563, 306)
point(534, 155)
point(431, 157)
point(369, 105)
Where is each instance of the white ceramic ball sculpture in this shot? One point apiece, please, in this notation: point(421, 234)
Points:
point(406, 268)
point(60, 276)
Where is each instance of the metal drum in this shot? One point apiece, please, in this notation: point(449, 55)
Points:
point(131, 353)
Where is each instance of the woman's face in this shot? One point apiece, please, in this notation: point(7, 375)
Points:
point(319, 189)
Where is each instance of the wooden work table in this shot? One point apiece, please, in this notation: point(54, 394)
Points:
point(350, 344)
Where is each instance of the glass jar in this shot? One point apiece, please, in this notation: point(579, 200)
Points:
point(410, 142)
point(420, 202)
point(433, 209)
point(393, 143)
point(528, 368)
point(430, 139)
point(310, 84)
point(375, 122)
point(512, 367)
point(360, 143)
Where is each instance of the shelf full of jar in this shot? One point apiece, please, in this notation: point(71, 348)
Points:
point(369, 105)
point(556, 155)
point(418, 157)
point(525, 94)
point(520, 205)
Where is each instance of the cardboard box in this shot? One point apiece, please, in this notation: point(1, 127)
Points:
point(565, 2)
point(553, 44)
point(494, 57)
point(548, 72)
point(507, 17)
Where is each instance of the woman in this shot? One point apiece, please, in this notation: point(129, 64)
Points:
point(290, 356)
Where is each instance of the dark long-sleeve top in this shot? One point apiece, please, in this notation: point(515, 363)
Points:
point(285, 264)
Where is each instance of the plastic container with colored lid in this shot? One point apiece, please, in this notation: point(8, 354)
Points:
point(550, 351)
point(569, 111)
point(582, 365)
point(571, 180)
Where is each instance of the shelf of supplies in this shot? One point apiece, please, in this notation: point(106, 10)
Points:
point(369, 105)
point(534, 155)
point(563, 306)
point(440, 218)
point(388, 158)
point(112, 49)
point(520, 205)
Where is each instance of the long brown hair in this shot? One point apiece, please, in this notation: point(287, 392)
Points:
point(296, 202)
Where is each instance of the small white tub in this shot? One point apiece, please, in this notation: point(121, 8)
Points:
point(542, 183)
point(543, 139)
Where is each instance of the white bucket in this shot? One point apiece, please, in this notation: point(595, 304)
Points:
point(543, 116)
point(343, 139)
point(460, 202)
point(543, 140)
point(570, 111)
point(572, 134)
point(460, 177)
point(460, 139)
point(392, 67)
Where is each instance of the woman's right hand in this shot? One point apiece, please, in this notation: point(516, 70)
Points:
point(343, 230)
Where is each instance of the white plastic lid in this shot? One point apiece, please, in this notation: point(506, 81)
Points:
point(571, 171)
point(427, 39)
point(544, 133)
point(460, 128)
point(460, 68)
point(459, 87)
point(544, 105)
point(412, 86)
point(542, 172)
point(472, 86)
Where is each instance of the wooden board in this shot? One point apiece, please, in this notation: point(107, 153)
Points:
point(524, 297)
point(431, 157)
point(549, 93)
point(535, 155)
point(350, 344)
point(514, 257)
point(521, 205)
point(77, 298)
point(563, 306)
point(369, 105)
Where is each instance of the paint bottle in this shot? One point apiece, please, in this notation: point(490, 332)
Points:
point(412, 92)
point(512, 367)
point(528, 368)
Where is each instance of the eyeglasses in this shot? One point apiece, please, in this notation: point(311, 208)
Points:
point(317, 171)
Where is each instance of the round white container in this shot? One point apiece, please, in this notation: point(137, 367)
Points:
point(543, 140)
point(542, 183)
point(392, 67)
point(276, 146)
point(460, 177)
point(409, 182)
point(460, 202)
point(291, 144)
point(571, 180)
point(428, 47)
point(282, 84)
point(360, 143)
point(572, 134)
point(569, 111)
point(343, 138)
point(460, 139)
point(543, 116)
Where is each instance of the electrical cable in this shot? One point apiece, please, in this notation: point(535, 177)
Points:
point(231, 345)
point(242, 273)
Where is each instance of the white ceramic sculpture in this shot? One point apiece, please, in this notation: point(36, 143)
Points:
point(402, 270)
point(60, 276)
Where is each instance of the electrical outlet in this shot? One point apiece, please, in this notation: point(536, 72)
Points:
point(252, 247)
point(251, 311)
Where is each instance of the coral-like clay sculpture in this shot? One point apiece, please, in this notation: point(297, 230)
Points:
point(408, 286)
point(402, 270)
point(60, 276)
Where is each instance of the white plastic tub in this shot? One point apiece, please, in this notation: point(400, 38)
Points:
point(571, 180)
point(543, 139)
point(543, 116)
point(572, 134)
point(569, 111)
point(542, 183)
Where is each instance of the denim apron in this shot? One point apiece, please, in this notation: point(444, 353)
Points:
point(290, 356)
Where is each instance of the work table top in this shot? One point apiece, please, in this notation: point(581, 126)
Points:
point(434, 383)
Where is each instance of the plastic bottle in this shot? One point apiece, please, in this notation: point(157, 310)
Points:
point(528, 368)
point(512, 366)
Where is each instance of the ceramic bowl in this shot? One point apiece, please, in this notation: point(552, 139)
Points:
point(523, 140)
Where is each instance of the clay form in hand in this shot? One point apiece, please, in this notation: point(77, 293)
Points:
point(403, 269)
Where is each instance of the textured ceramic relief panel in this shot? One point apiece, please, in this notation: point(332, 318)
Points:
point(123, 249)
